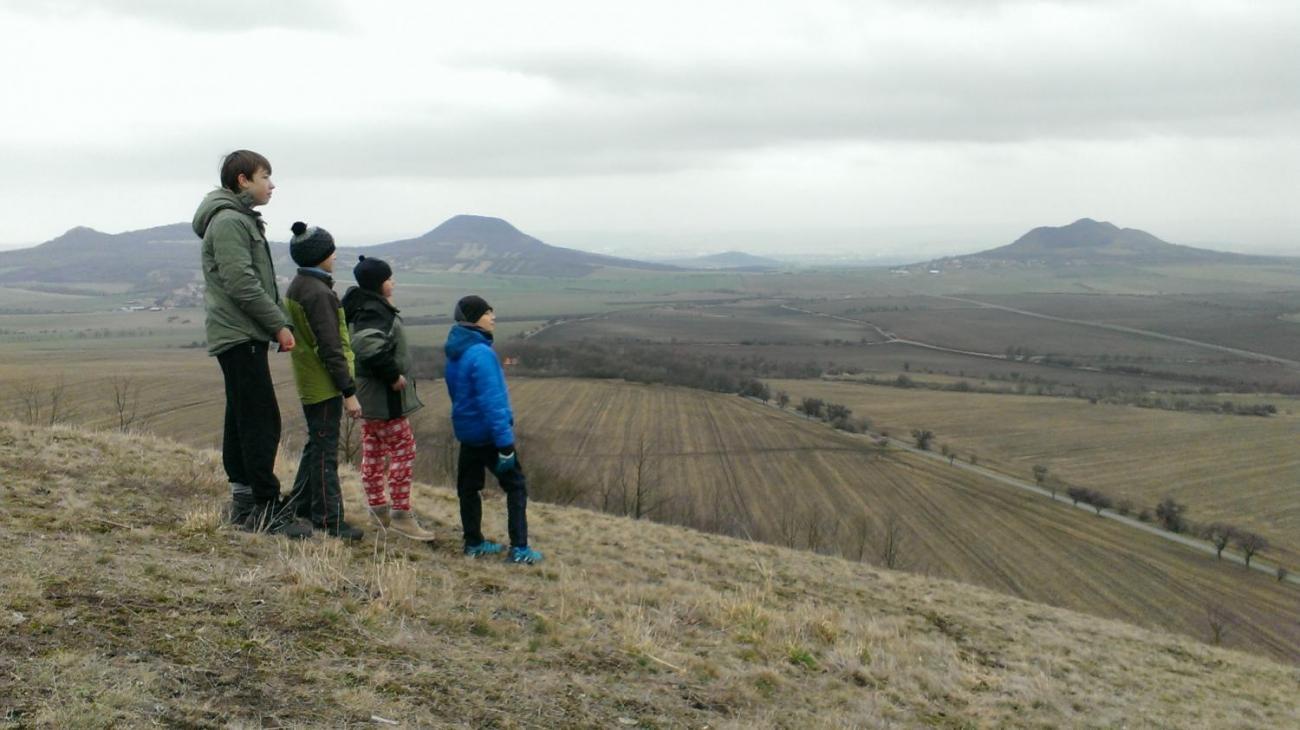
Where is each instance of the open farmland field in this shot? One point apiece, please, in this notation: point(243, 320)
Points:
point(968, 326)
point(748, 323)
point(1256, 321)
point(1239, 469)
point(775, 475)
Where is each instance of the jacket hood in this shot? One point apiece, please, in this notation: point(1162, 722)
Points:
point(357, 299)
point(217, 201)
point(462, 337)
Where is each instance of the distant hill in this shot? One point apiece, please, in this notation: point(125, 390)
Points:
point(730, 260)
point(161, 257)
point(480, 244)
point(167, 257)
point(1092, 242)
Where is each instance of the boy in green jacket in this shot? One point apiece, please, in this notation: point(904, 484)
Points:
point(322, 368)
point(243, 317)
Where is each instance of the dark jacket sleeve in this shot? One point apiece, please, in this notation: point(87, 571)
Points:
point(373, 346)
point(322, 310)
point(493, 398)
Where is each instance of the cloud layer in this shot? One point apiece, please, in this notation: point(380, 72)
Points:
point(1169, 106)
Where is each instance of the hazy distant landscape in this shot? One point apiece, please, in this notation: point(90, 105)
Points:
point(1122, 366)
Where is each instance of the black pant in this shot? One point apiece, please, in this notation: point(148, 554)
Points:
point(252, 430)
point(316, 494)
point(469, 482)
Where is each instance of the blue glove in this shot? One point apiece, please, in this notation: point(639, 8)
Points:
point(506, 460)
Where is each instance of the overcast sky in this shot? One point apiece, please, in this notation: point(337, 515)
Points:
point(657, 127)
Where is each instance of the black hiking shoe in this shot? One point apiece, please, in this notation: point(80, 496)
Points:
point(343, 531)
point(238, 510)
point(272, 517)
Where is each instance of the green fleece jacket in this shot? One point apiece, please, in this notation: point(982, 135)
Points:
point(322, 357)
point(242, 300)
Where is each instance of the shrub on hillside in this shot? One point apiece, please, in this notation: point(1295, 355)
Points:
point(1170, 515)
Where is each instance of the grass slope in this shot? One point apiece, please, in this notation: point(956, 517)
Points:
point(125, 603)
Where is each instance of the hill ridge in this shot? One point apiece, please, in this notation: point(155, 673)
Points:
point(178, 620)
point(1087, 240)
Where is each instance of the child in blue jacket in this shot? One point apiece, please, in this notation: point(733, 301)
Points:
point(484, 425)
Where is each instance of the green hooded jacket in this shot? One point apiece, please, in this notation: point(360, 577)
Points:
point(242, 300)
point(322, 357)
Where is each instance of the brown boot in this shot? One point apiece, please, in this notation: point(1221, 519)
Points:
point(403, 523)
point(381, 515)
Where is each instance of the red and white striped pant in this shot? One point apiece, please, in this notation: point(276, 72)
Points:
point(392, 439)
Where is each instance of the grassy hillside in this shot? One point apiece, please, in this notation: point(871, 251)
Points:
point(125, 603)
point(1242, 470)
point(723, 464)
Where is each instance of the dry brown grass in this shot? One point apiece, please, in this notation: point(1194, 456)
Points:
point(162, 617)
point(732, 466)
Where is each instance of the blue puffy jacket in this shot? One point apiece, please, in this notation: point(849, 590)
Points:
point(480, 403)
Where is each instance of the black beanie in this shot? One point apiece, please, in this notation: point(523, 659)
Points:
point(371, 273)
point(310, 245)
point(471, 309)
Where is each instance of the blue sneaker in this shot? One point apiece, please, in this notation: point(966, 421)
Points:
point(525, 555)
point(487, 547)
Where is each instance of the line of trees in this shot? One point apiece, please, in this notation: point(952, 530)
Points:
point(1170, 514)
point(839, 416)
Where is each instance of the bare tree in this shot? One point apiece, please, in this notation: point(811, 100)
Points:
point(126, 400)
point(1099, 501)
point(554, 483)
point(613, 490)
point(819, 529)
point(923, 438)
point(31, 397)
point(891, 543)
point(974, 459)
point(350, 440)
point(787, 528)
point(640, 483)
point(1220, 621)
point(1170, 514)
point(861, 527)
point(1040, 477)
point(1219, 535)
point(59, 408)
point(1250, 543)
point(782, 399)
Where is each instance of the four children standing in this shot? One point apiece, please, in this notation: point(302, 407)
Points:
point(349, 357)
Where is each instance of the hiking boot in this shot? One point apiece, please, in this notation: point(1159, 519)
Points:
point(343, 531)
point(381, 515)
point(271, 516)
point(403, 522)
point(524, 555)
point(487, 547)
point(238, 510)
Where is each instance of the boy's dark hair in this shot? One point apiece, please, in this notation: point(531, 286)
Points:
point(241, 162)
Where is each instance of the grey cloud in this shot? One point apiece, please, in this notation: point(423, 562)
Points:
point(224, 16)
